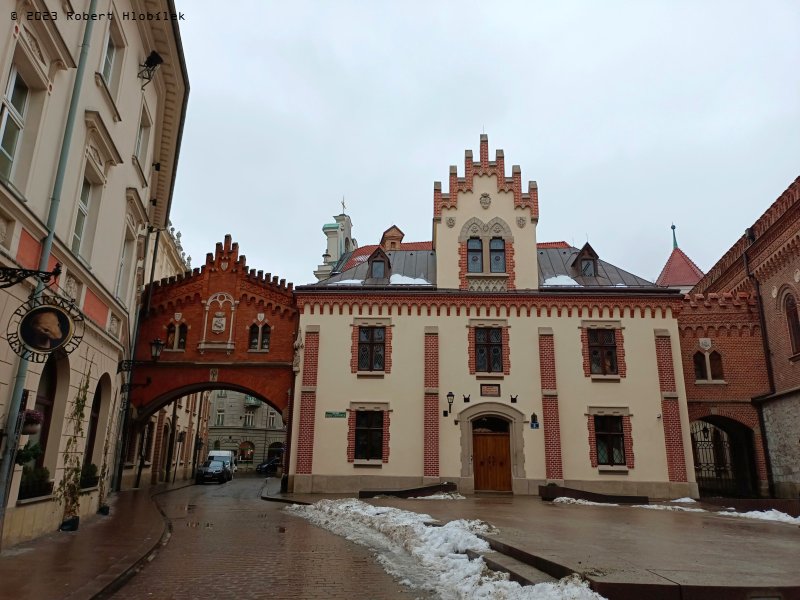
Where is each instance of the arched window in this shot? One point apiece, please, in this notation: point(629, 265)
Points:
point(259, 337)
point(715, 360)
point(183, 332)
point(91, 430)
point(700, 371)
point(497, 255)
point(265, 332)
point(170, 345)
point(474, 255)
point(793, 320)
point(253, 344)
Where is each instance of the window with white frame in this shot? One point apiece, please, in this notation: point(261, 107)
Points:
point(249, 419)
point(220, 420)
point(271, 420)
point(113, 55)
point(12, 121)
point(142, 139)
point(127, 263)
point(84, 206)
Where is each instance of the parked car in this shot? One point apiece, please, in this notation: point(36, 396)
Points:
point(269, 467)
point(213, 470)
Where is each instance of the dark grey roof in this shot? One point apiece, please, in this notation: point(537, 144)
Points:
point(421, 264)
point(411, 264)
point(557, 261)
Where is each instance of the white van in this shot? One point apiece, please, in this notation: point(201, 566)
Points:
point(225, 456)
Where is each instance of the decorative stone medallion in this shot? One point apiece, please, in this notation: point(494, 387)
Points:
point(485, 200)
point(178, 316)
point(520, 222)
point(774, 291)
point(705, 343)
point(451, 222)
point(797, 276)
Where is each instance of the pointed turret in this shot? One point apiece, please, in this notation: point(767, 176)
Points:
point(679, 272)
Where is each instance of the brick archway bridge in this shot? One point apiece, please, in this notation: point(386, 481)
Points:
point(224, 326)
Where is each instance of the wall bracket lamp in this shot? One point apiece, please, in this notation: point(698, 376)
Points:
point(147, 69)
point(12, 276)
point(450, 397)
point(156, 346)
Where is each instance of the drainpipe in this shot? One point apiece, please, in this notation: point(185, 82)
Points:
point(126, 415)
point(287, 451)
point(751, 237)
point(14, 407)
point(171, 448)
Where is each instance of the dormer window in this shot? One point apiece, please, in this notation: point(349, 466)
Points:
point(379, 267)
point(588, 267)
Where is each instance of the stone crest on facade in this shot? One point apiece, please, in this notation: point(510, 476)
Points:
point(178, 316)
point(705, 343)
point(213, 374)
point(218, 323)
point(520, 222)
point(797, 276)
point(451, 222)
point(485, 200)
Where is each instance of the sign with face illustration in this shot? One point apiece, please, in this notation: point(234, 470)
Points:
point(43, 325)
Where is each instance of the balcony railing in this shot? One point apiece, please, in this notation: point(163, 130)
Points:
point(250, 401)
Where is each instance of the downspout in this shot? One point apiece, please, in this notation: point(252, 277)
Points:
point(146, 311)
point(171, 448)
point(125, 408)
point(14, 408)
point(287, 455)
point(751, 237)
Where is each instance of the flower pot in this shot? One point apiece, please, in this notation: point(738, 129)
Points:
point(104, 510)
point(31, 428)
point(70, 524)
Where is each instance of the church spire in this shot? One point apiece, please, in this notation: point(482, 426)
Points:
point(674, 239)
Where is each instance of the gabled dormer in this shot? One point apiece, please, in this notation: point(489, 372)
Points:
point(584, 263)
point(392, 238)
point(379, 267)
point(484, 227)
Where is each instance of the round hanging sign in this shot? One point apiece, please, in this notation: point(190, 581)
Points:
point(45, 325)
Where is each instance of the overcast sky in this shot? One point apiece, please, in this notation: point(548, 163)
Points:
point(629, 115)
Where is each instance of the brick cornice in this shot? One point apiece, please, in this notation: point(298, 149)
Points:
point(452, 302)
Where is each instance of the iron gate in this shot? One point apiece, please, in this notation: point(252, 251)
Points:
point(713, 465)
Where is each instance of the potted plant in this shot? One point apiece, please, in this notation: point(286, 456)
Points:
point(32, 421)
point(28, 453)
point(69, 489)
point(35, 483)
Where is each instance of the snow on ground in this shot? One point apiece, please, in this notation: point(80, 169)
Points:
point(431, 558)
point(565, 500)
point(442, 496)
point(765, 515)
point(762, 515)
point(668, 507)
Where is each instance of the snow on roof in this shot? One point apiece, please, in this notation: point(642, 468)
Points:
point(347, 282)
point(561, 280)
point(397, 279)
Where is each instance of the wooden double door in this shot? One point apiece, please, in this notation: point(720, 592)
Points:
point(491, 461)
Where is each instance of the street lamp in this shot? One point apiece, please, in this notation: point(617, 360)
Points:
point(156, 346)
point(450, 397)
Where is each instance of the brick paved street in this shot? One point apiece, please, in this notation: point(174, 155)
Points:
point(228, 543)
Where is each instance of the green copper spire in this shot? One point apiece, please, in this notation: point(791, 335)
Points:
point(674, 239)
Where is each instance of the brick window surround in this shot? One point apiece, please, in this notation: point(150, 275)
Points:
point(351, 430)
point(627, 436)
point(472, 347)
point(620, 347)
point(387, 355)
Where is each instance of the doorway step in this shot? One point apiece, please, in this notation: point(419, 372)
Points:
point(551, 492)
point(416, 492)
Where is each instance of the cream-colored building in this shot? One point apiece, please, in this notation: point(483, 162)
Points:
point(488, 358)
point(92, 104)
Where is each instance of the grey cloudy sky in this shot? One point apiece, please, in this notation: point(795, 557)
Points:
point(629, 115)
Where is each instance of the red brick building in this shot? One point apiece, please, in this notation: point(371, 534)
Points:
point(740, 343)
